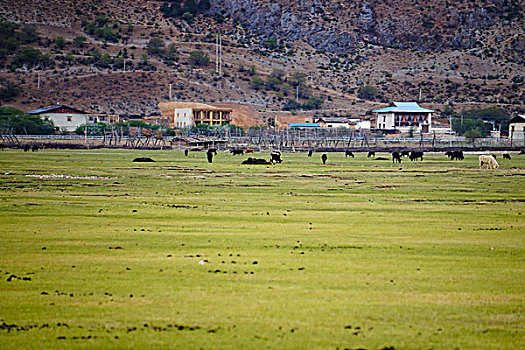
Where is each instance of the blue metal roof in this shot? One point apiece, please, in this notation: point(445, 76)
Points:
point(53, 107)
point(304, 125)
point(403, 107)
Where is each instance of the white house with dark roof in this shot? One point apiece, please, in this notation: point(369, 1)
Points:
point(64, 117)
point(403, 116)
point(517, 127)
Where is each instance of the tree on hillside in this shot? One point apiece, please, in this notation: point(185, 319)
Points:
point(101, 20)
point(368, 92)
point(156, 46)
point(298, 82)
point(8, 41)
point(314, 102)
point(190, 6)
point(30, 57)
point(291, 105)
point(60, 42)
point(29, 33)
point(297, 79)
point(8, 90)
point(171, 10)
point(170, 54)
point(199, 58)
point(256, 83)
point(7, 29)
point(270, 43)
point(79, 41)
point(204, 6)
point(275, 79)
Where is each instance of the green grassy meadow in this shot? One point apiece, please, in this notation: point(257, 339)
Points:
point(182, 254)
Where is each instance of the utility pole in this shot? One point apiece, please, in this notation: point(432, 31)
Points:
point(220, 55)
point(85, 130)
point(217, 53)
point(170, 92)
point(38, 82)
point(419, 94)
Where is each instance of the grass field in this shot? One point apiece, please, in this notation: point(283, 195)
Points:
point(182, 254)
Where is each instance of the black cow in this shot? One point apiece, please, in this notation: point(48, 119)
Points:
point(405, 153)
point(349, 153)
point(237, 152)
point(209, 155)
point(2, 146)
point(396, 157)
point(186, 152)
point(506, 156)
point(371, 154)
point(310, 152)
point(213, 150)
point(26, 148)
point(256, 161)
point(143, 160)
point(457, 155)
point(324, 157)
point(35, 148)
point(415, 155)
point(275, 157)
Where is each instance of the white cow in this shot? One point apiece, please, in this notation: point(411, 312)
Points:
point(490, 160)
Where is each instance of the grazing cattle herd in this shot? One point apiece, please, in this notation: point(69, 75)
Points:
point(488, 160)
point(397, 156)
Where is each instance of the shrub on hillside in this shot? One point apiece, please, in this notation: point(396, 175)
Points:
point(368, 92)
point(30, 57)
point(199, 58)
point(8, 90)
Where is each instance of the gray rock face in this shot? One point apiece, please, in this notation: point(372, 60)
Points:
point(343, 26)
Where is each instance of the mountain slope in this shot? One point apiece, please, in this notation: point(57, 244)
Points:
point(459, 54)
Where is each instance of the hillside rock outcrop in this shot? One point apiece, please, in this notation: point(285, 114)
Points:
point(343, 26)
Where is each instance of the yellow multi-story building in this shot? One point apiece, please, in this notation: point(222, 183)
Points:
point(183, 114)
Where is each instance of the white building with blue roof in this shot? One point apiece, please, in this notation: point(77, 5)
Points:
point(403, 116)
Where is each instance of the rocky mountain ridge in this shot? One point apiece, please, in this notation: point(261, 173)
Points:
point(342, 26)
